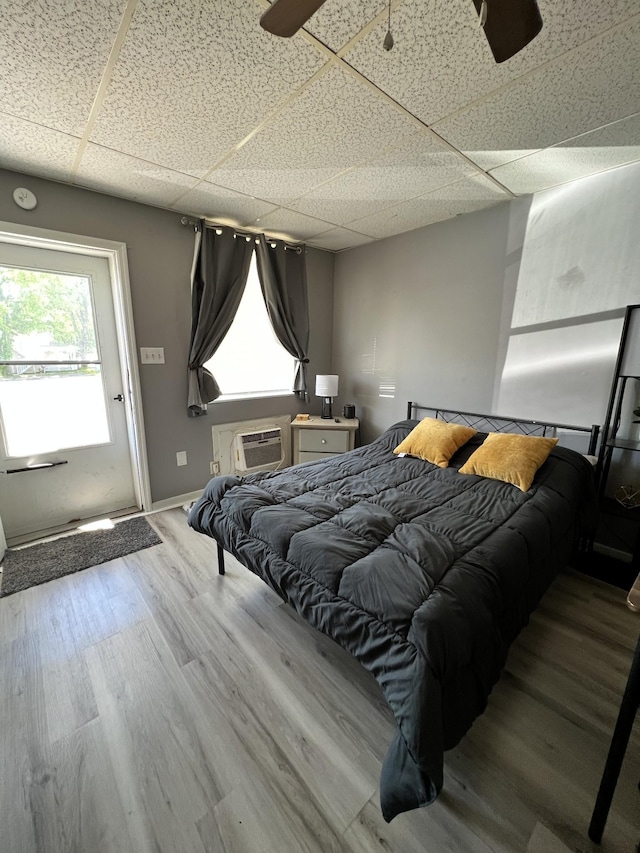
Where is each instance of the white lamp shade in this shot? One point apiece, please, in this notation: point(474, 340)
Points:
point(327, 385)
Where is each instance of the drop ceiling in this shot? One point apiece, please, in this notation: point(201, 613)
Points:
point(325, 137)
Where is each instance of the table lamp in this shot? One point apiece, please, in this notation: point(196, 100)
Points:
point(327, 388)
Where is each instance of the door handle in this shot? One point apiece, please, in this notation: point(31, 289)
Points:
point(35, 466)
point(120, 398)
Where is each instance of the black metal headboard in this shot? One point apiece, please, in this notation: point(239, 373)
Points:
point(500, 423)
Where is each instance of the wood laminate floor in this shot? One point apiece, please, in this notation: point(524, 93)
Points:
point(151, 705)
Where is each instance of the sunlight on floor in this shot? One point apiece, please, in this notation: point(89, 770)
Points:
point(102, 524)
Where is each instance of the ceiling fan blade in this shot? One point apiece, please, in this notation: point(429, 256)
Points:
point(511, 24)
point(285, 17)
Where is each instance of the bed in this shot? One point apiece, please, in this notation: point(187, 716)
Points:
point(424, 573)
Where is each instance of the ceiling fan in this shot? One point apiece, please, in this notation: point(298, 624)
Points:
point(509, 25)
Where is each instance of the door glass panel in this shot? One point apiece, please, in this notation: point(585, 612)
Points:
point(51, 384)
point(45, 316)
point(56, 409)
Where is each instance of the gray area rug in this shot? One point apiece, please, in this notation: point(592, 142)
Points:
point(35, 564)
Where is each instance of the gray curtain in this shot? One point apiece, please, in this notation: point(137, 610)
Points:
point(283, 279)
point(219, 277)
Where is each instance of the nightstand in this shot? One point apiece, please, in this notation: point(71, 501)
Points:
point(320, 438)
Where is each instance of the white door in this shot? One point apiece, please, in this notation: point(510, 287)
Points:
point(64, 448)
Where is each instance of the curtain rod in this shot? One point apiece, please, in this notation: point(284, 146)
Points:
point(195, 224)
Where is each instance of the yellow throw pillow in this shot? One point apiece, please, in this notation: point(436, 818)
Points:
point(435, 441)
point(509, 457)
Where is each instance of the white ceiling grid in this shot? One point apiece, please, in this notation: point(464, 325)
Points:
point(324, 137)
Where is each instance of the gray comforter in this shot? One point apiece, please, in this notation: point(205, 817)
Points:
point(425, 575)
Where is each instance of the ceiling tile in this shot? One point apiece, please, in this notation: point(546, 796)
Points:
point(567, 24)
point(128, 177)
point(35, 150)
point(335, 124)
point(264, 178)
point(339, 238)
point(53, 56)
point(421, 72)
point(337, 21)
point(289, 223)
point(616, 144)
point(462, 197)
point(441, 60)
point(594, 85)
point(489, 160)
point(194, 78)
point(419, 165)
point(218, 203)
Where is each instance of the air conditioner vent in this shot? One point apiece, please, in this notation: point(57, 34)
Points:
point(259, 450)
point(228, 448)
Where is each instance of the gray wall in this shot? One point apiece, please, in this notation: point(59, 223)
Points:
point(519, 305)
point(160, 251)
point(417, 317)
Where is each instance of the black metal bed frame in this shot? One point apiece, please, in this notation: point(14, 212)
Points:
point(504, 423)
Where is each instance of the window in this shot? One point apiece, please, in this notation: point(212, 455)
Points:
point(251, 361)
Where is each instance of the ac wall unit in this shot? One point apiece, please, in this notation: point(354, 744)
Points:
point(259, 450)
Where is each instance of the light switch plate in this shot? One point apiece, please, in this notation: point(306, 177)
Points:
point(181, 457)
point(152, 355)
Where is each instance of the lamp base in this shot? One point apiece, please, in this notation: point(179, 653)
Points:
point(326, 408)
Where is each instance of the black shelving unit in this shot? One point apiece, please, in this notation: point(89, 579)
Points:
point(627, 367)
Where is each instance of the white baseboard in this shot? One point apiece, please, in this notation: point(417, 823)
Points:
point(172, 503)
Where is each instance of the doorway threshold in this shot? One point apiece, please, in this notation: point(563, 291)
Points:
point(60, 529)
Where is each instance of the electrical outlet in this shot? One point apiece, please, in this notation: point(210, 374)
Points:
point(181, 457)
point(152, 355)
point(214, 468)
